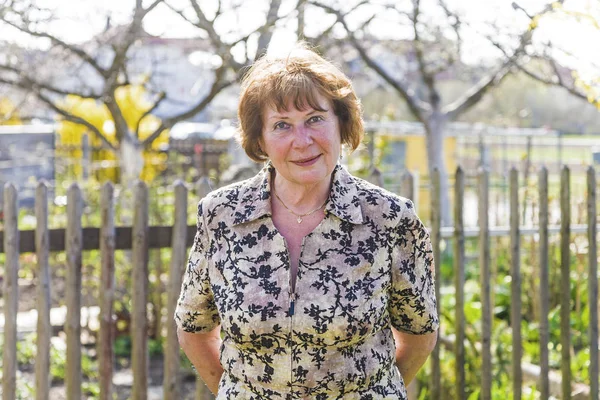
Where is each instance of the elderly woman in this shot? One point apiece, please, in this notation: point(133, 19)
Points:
point(305, 282)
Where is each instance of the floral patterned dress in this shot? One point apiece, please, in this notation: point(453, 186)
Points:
point(367, 266)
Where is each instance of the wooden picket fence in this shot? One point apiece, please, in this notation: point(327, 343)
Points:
point(141, 237)
point(73, 240)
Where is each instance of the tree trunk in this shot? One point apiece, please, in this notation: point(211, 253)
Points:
point(132, 159)
point(434, 128)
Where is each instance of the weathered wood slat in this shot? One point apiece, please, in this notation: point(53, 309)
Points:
point(202, 391)
point(565, 282)
point(203, 187)
point(159, 237)
point(486, 293)
point(375, 177)
point(436, 223)
point(593, 282)
point(531, 375)
point(139, 294)
point(107, 292)
point(408, 190)
point(171, 384)
point(544, 285)
point(409, 187)
point(74, 242)
point(515, 263)
point(10, 292)
point(459, 282)
point(44, 330)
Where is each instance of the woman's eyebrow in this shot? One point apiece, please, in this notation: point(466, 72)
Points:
point(310, 111)
point(317, 111)
point(277, 116)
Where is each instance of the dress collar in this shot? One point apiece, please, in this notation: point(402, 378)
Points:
point(255, 201)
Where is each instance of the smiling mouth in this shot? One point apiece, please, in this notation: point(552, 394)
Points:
point(307, 160)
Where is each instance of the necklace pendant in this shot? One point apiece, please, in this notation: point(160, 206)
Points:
point(299, 220)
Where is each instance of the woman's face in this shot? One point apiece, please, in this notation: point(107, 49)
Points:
point(303, 145)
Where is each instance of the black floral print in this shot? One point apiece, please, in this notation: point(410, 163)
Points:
point(366, 267)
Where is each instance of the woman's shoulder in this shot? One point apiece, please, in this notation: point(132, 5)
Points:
point(221, 202)
point(378, 203)
point(371, 193)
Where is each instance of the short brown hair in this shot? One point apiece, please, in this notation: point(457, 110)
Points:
point(298, 78)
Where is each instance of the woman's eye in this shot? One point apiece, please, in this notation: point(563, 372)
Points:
point(280, 125)
point(316, 118)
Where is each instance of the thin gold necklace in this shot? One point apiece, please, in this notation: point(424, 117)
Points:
point(299, 216)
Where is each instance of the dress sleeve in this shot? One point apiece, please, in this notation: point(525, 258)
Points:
point(412, 304)
point(196, 309)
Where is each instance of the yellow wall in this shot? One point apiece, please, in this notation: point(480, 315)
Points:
point(416, 162)
point(416, 154)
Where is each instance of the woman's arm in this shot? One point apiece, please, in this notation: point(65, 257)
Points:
point(202, 349)
point(412, 352)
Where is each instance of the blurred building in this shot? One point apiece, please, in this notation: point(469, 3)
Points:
point(206, 143)
point(26, 156)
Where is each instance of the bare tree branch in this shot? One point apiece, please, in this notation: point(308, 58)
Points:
point(417, 107)
point(221, 48)
point(456, 25)
point(557, 78)
point(317, 41)
point(205, 24)
point(70, 117)
point(557, 81)
point(69, 47)
point(160, 99)
point(428, 78)
point(300, 8)
point(26, 82)
point(118, 64)
point(151, 7)
point(478, 91)
point(218, 85)
point(14, 113)
point(266, 31)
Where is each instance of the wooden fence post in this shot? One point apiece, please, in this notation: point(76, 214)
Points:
point(407, 186)
point(10, 291)
point(44, 330)
point(139, 297)
point(459, 281)
point(592, 282)
point(74, 242)
point(565, 282)
point(202, 392)
point(375, 177)
point(436, 223)
point(203, 187)
point(544, 285)
point(486, 298)
point(178, 258)
point(85, 156)
point(107, 291)
point(515, 311)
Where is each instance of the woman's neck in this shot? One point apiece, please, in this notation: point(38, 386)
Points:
point(301, 198)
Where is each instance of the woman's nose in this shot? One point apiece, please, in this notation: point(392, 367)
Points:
point(303, 136)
